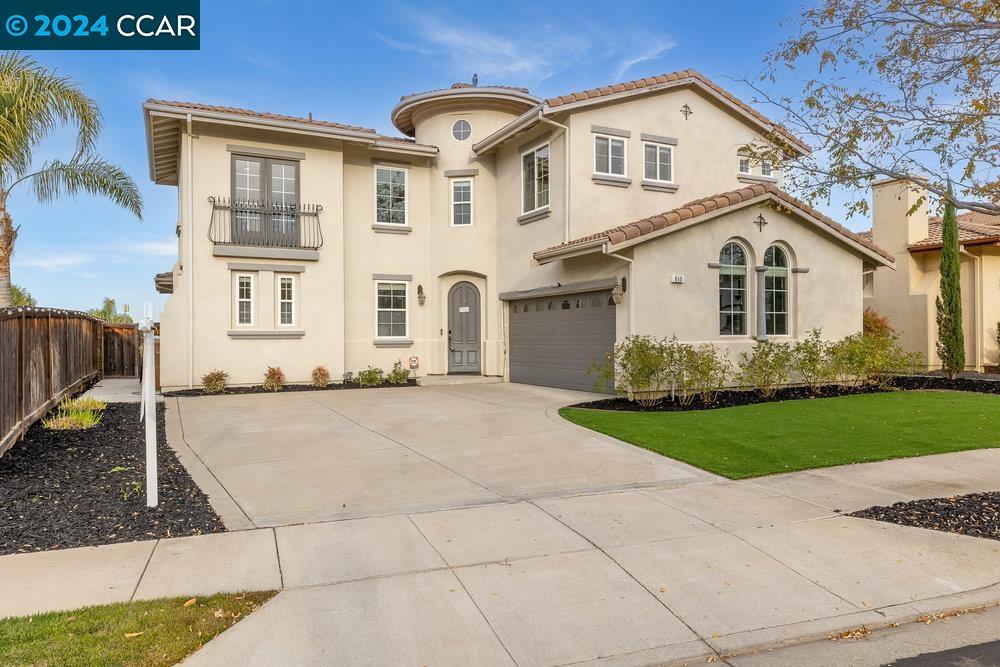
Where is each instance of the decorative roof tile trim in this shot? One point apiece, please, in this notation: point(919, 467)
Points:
point(704, 206)
point(463, 84)
point(968, 233)
point(249, 113)
point(670, 77)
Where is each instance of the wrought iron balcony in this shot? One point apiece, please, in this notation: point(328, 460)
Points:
point(265, 224)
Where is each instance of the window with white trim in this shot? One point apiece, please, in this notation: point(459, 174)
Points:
point(286, 301)
point(461, 130)
point(390, 309)
point(390, 196)
point(776, 291)
point(744, 164)
point(765, 169)
point(658, 162)
point(535, 179)
point(461, 202)
point(244, 299)
point(733, 290)
point(609, 155)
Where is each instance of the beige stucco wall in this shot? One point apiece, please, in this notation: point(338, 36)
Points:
point(827, 297)
point(320, 310)
point(907, 296)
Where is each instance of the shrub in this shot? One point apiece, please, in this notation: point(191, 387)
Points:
point(67, 418)
point(398, 375)
point(872, 359)
point(812, 361)
point(214, 382)
point(274, 378)
point(639, 367)
point(873, 324)
point(84, 403)
point(765, 368)
point(320, 377)
point(704, 372)
point(371, 377)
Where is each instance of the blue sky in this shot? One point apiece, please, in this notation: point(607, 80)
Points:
point(349, 63)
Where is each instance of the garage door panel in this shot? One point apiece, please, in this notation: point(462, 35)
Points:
point(554, 340)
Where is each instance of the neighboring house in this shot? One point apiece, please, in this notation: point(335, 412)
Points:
point(907, 296)
point(510, 236)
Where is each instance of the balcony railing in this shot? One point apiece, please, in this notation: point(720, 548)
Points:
point(265, 224)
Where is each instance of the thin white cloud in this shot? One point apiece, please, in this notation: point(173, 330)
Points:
point(159, 248)
point(515, 54)
point(54, 261)
point(660, 46)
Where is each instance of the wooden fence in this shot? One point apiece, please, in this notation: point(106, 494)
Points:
point(121, 350)
point(45, 354)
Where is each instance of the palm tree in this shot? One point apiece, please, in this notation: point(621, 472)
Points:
point(33, 102)
point(21, 296)
point(109, 312)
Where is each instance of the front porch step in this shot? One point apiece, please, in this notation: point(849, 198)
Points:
point(442, 380)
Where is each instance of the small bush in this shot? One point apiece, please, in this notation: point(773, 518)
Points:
point(872, 359)
point(274, 378)
point(765, 368)
point(812, 361)
point(641, 368)
point(704, 372)
point(320, 377)
point(398, 375)
point(72, 419)
point(214, 382)
point(371, 377)
point(84, 403)
point(873, 324)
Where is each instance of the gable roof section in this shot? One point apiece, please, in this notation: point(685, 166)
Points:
point(163, 131)
point(710, 207)
point(604, 94)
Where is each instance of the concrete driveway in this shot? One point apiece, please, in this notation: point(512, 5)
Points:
point(317, 456)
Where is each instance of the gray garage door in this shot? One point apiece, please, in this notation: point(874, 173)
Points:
point(554, 339)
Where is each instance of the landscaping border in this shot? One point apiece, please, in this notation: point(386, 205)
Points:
point(259, 389)
point(729, 398)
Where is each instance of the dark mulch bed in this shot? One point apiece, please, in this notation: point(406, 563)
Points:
point(730, 398)
point(977, 514)
point(258, 389)
point(62, 489)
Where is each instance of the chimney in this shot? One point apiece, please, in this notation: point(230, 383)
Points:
point(475, 79)
point(892, 228)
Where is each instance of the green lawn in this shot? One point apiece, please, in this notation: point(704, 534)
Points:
point(755, 440)
point(157, 632)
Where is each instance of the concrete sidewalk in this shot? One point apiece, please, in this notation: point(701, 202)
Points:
point(648, 575)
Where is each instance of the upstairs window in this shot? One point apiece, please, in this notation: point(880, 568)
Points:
point(744, 164)
point(390, 196)
point(765, 168)
point(732, 290)
point(390, 310)
point(609, 156)
point(535, 178)
point(461, 202)
point(658, 163)
point(265, 196)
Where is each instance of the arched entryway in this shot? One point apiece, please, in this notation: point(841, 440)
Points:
point(464, 339)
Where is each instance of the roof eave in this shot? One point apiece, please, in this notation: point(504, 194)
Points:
point(576, 250)
point(484, 91)
point(520, 124)
point(993, 240)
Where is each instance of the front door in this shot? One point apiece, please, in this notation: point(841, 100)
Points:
point(463, 329)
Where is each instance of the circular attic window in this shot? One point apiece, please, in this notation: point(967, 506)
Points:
point(461, 130)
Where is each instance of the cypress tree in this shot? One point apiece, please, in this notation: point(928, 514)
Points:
point(951, 340)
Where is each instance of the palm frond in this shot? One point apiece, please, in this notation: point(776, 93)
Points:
point(92, 175)
point(33, 102)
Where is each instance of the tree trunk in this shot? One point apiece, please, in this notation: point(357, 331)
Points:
point(8, 234)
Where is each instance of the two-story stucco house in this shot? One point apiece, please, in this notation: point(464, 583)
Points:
point(503, 234)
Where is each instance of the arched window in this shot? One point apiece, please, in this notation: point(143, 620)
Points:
point(776, 291)
point(733, 290)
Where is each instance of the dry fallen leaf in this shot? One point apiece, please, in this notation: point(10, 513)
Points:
point(190, 602)
point(219, 613)
point(130, 635)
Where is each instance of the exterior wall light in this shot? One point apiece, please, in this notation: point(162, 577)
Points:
point(617, 293)
point(421, 297)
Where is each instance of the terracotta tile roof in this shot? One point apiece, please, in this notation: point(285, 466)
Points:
point(681, 75)
point(463, 84)
point(198, 106)
point(706, 205)
point(972, 228)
